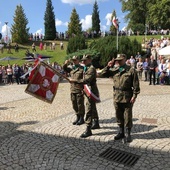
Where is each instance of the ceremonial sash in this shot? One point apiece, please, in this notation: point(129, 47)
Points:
point(89, 93)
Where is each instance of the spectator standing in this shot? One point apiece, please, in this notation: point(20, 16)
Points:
point(139, 67)
point(146, 69)
point(9, 72)
point(16, 47)
point(61, 45)
point(41, 46)
point(0, 74)
point(152, 65)
point(9, 48)
point(33, 47)
point(45, 46)
point(132, 61)
point(4, 75)
point(17, 73)
point(162, 72)
point(53, 45)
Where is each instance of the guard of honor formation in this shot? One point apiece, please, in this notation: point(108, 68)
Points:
point(125, 89)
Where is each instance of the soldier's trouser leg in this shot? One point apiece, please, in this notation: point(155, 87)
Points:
point(128, 121)
point(78, 105)
point(81, 108)
point(119, 111)
point(90, 105)
point(128, 115)
point(95, 118)
point(74, 102)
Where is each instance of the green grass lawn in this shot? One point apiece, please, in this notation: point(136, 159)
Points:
point(57, 54)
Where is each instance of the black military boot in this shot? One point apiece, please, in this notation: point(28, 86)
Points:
point(128, 135)
point(81, 120)
point(120, 135)
point(95, 124)
point(87, 133)
point(77, 119)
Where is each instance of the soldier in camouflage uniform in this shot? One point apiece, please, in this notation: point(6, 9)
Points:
point(91, 110)
point(125, 91)
point(77, 95)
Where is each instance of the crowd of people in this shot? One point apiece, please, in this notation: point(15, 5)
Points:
point(153, 67)
point(13, 73)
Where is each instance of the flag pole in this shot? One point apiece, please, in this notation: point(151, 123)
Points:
point(117, 47)
point(116, 25)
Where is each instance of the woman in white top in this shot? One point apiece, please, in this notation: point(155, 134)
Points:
point(9, 72)
point(162, 71)
point(139, 67)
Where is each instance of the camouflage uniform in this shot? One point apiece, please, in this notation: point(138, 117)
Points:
point(77, 95)
point(125, 86)
point(90, 80)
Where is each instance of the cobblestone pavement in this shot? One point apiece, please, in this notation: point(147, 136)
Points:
point(35, 135)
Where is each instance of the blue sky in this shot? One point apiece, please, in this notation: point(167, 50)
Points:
point(35, 9)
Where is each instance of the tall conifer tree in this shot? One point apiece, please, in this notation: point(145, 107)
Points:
point(19, 30)
point(95, 19)
point(74, 26)
point(49, 22)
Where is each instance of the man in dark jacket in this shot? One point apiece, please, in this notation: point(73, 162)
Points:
point(152, 64)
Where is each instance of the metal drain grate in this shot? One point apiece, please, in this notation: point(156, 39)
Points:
point(119, 156)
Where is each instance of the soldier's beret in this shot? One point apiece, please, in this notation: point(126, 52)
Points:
point(86, 57)
point(120, 57)
point(75, 58)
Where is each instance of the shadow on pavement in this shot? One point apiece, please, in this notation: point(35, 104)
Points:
point(40, 150)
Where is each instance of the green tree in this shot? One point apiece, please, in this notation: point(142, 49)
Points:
point(159, 14)
point(19, 30)
point(106, 47)
point(76, 43)
point(137, 11)
point(49, 22)
point(154, 13)
point(95, 19)
point(74, 26)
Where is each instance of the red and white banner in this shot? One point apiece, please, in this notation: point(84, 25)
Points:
point(44, 83)
point(89, 93)
point(115, 22)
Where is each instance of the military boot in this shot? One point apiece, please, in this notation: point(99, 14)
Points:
point(128, 135)
point(77, 119)
point(81, 120)
point(95, 124)
point(120, 135)
point(87, 133)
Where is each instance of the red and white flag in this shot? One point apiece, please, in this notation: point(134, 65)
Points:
point(115, 22)
point(44, 83)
